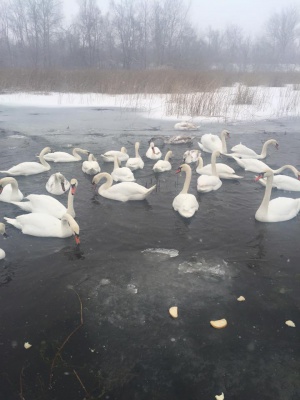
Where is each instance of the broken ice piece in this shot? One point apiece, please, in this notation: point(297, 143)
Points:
point(173, 312)
point(220, 396)
point(290, 323)
point(219, 324)
point(241, 298)
point(27, 345)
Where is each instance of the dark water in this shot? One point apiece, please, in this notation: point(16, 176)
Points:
point(129, 347)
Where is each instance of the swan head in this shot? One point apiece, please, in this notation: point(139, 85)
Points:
point(225, 133)
point(183, 167)
point(97, 178)
point(6, 181)
point(2, 230)
point(276, 144)
point(73, 225)
point(264, 174)
point(61, 179)
point(73, 186)
point(123, 150)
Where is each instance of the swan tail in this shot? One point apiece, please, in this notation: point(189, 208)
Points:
point(201, 146)
point(14, 222)
point(151, 190)
point(24, 205)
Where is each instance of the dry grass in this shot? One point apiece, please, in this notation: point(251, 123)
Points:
point(143, 81)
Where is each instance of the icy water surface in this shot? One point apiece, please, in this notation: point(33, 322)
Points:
point(138, 259)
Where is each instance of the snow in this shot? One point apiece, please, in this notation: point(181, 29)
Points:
point(222, 105)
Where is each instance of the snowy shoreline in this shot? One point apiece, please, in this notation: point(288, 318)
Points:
point(225, 104)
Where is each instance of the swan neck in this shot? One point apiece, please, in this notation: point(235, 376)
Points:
point(213, 164)
point(284, 167)
point(116, 163)
point(224, 144)
point(187, 182)
point(106, 185)
point(75, 153)
point(42, 160)
point(266, 199)
point(200, 162)
point(168, 155)
point(70, 208)
point(137, 154)
point(264, 148)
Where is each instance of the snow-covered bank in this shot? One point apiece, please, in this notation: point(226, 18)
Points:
point(237, 103)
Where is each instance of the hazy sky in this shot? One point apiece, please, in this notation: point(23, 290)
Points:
point(249, 14)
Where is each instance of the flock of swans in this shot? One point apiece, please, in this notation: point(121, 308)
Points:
point(48, 217)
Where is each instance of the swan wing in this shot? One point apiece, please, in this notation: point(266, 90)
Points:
point(211, 143)
point(8, 196)
point(135, 163)
point(283, 209)
point(37, 224)
point(243, 150)
point(41, 203)
point(285, 182)
point(26, 168)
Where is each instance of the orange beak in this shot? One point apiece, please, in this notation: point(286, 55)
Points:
point(77, 239)
point(73, 189)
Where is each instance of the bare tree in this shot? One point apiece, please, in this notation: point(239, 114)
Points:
point(281, 33)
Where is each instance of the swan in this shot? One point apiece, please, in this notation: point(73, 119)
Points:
point(285, 182)
point(178, 139)
point(57, 184)
point(109, 155)
point(185, 126)
point(61, 156)
point(251, 164)
point(210, 143)
point(40, 203)
point(245, 152)
point(153, 152)
point(185, 203)
point(135, 162)
point(276, 210)
point(207, 183)
point(30, 168)
point(44, 225)
point(2, 232)
point(123, 191)
point(163, 165)
point(91, 166)
point(122, 174)
point(223, 170)
point(9, 190)
point(190, 156)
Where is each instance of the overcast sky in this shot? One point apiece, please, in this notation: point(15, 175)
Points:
point(251, 15)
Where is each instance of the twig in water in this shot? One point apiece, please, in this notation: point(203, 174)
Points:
point(21, 384)
point(66, 340)
point(82, 385)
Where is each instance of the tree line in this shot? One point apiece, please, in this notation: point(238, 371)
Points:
point(139, 34)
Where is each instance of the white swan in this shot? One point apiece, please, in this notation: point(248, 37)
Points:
point(135, 162)
point(109, 155)
point(57, 184)
point(91, 166)
point(245, 152)
point(153, 152)
point(251, 164)
point(9, 190)
point(223, 170)
point(190, 156)
point(163, 165)
point(123, 191)
point(30, 168)
point(121, 174)
point(285, 182)
point(210, 143)
point(185, 203)
point(61, 156)
point(185, 126)
point(179, 139)
point(43, 225)
point(207, 183)
point(276, 210)
point(40, 203)
point(2, 232)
